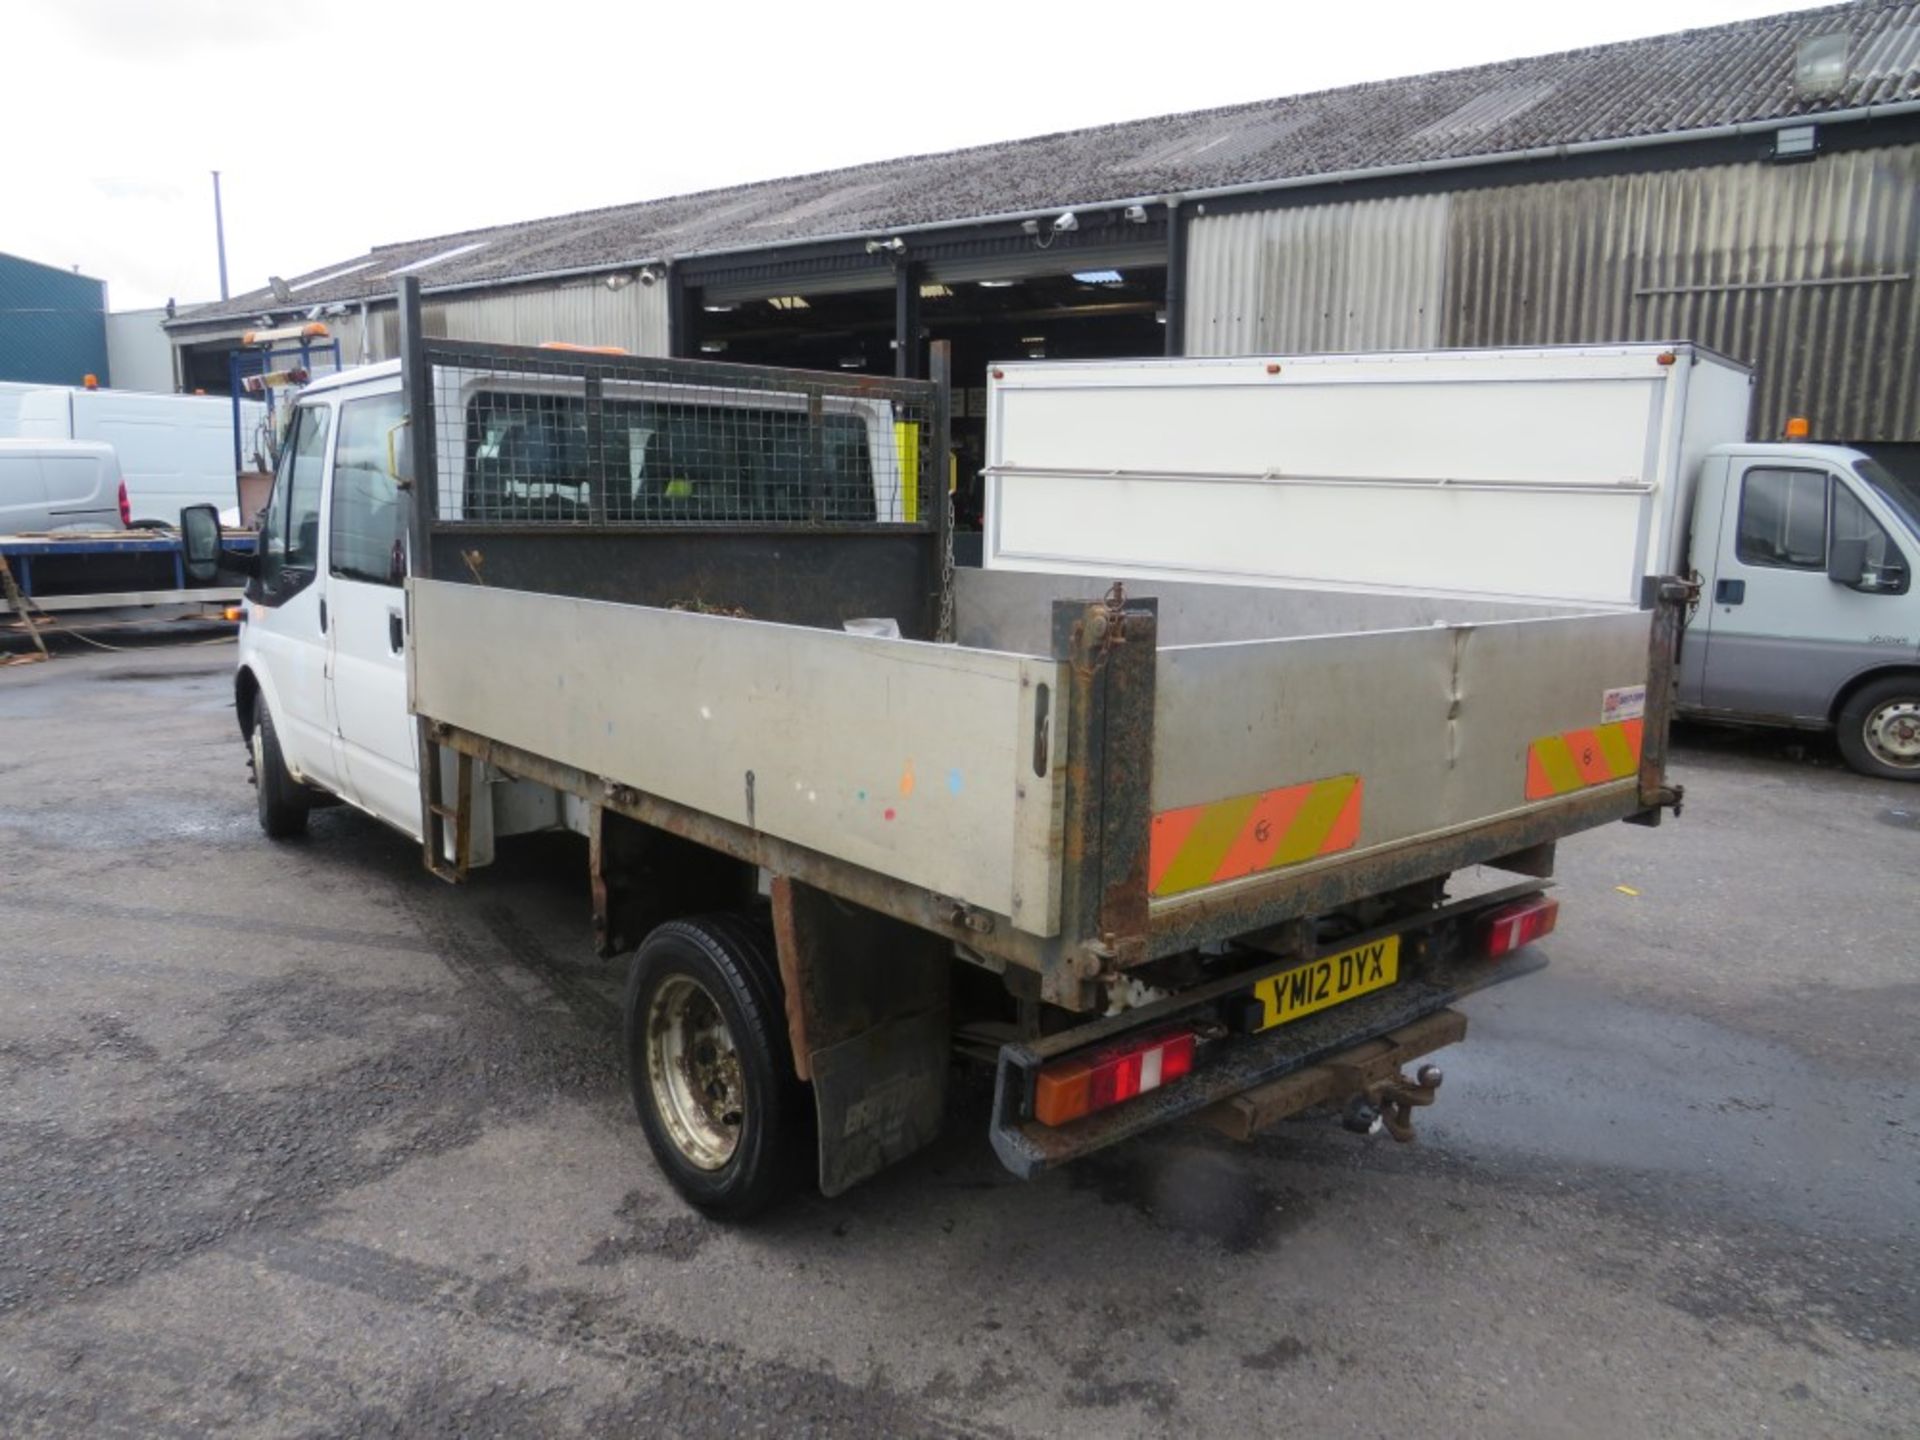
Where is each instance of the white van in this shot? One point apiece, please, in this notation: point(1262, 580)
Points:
point(1562, 474)
point(175, 450)
point(60, 485)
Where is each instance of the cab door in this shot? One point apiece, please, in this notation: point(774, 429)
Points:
point(367, 572)
point(1783, 637)
point(288, 616)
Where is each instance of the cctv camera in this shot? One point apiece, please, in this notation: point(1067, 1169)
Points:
point(316, 312)
point(1136, 214)
point(892, 245)
point(1066, 221)
point(649, 275)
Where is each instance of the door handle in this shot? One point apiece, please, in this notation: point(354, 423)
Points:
point(396, 632)
point(323, 614)
point(1729, 592)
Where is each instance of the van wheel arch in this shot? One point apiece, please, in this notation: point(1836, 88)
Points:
point(1865, 678)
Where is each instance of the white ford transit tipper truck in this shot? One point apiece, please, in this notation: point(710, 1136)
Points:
point(1178, 852)
point(1552, 475)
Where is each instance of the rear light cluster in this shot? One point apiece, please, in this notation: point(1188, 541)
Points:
point(1099, 1079)
point(1512, 926)
point(126, 510)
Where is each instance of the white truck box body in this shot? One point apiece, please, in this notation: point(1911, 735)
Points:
point(175, 450)
point(1556, 474)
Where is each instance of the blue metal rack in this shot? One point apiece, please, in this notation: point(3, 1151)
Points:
point(264, 360)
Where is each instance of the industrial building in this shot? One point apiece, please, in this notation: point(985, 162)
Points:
point(1754, 187)
point(53, 324)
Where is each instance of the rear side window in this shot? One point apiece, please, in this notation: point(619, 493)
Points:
point(367, 535)
point(666, 462)
point(1783, 519)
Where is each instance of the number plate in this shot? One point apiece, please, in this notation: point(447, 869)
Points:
point(1325, 982)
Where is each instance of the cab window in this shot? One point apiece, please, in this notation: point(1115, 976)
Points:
point(368, 528)
point(290, 530)
point(1783, 519)
point(1885, 563)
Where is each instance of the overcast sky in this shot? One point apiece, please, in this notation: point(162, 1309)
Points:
point(341, 124)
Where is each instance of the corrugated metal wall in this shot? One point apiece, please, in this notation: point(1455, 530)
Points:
point(53, 324)
point(1362, 275)
point(1804, 271)
point(633, 318)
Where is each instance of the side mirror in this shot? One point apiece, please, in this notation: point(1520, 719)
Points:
point(200, 543)
point(1847, 562)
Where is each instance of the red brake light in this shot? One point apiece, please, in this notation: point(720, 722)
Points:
point(1520, 924)
point(126, 510)
point(1082, 1084)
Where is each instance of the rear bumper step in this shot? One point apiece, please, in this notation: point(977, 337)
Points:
point(1239, 1074)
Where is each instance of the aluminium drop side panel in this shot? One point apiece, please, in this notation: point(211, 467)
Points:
point(917, 761)
point(1426, 471)
point(1437, 723)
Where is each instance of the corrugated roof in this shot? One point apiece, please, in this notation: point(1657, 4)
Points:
point(1803, 63)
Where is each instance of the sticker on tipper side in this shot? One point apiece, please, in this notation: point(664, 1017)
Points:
point(1224, 840)
point(1562, 764)
point(1625, 702)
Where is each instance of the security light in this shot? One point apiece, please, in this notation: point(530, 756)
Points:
point(1796, 142)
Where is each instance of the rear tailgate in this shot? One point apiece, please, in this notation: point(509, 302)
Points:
point(1294, 775)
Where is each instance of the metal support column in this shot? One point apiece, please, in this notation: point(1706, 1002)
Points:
point(906, 320)
point(680, 313)
point(935, 487)
point(1176, 336)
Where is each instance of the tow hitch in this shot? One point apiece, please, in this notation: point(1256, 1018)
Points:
point(1366, 1080)
point(1389, 1104)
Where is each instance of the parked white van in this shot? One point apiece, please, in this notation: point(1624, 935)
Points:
point(175, 450)
point(60, 485)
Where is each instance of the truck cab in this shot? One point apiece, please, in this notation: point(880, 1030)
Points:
point(1808, 615)
point(323, 655)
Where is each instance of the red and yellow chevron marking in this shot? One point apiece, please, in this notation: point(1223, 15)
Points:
point(1225, 839)
point(1561, 764)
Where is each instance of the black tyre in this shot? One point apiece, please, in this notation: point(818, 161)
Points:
point(1880, 729)
point(711, 1067)
point(284, 801)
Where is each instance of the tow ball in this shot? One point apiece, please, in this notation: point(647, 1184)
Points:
point(1389, 1104)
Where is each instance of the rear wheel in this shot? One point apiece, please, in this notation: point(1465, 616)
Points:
point(284, 801)
point(1880, 729)
point(711, 1067)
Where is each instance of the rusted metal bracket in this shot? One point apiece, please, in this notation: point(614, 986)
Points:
point(1110, 648)
point(1670, 597)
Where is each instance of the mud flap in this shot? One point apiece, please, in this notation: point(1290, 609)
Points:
point(880, 1096)
point(867, 1012)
